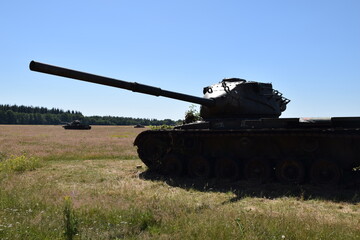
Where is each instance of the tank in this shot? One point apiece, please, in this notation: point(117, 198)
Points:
point(76, 125)
point(242, 135)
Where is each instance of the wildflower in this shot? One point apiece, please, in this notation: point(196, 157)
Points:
point(282, 236)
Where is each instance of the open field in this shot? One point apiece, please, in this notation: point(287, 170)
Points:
point(91, 184)
point(55, 143)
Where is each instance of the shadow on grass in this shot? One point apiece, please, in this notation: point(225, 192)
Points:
point(349, 192)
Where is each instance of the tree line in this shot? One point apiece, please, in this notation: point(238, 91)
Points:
point(13, 114)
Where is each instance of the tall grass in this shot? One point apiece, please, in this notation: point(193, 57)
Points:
point(70, 220)
point(108, 200)
point(19, 164)
point(114, 199)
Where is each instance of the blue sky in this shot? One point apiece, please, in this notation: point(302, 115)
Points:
point(308, 50)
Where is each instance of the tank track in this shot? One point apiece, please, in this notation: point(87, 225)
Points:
point(320, 156)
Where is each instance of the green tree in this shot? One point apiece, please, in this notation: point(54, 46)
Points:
point(192, 115)
point(10, 117)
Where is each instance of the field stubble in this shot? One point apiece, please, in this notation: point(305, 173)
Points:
point(111, 198)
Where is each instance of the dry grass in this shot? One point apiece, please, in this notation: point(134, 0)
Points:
point(55, 143)
point(114, 199)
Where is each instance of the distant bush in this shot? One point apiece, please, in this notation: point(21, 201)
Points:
point(19, 164)
point(192, 115)
point(161, 127)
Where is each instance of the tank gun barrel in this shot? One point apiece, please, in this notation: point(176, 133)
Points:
point(132, 86)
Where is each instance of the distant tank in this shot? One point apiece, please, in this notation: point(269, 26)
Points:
point(242, 136)
point(77, 125)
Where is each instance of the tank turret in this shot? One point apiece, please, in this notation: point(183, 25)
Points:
point(76, 125)
point(231, 98)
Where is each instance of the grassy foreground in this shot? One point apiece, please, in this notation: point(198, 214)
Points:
point(90, 185)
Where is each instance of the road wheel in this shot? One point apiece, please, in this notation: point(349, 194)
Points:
point(258, 170)
point(325, 172)
point(173, 165)
point(151, 150)
point(227, 168)
point(290, 171)
point(199, 167)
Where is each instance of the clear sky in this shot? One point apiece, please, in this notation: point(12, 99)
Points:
point(309, 50)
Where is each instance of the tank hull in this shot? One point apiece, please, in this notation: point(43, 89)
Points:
point(81, 127)
point(285, 150)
